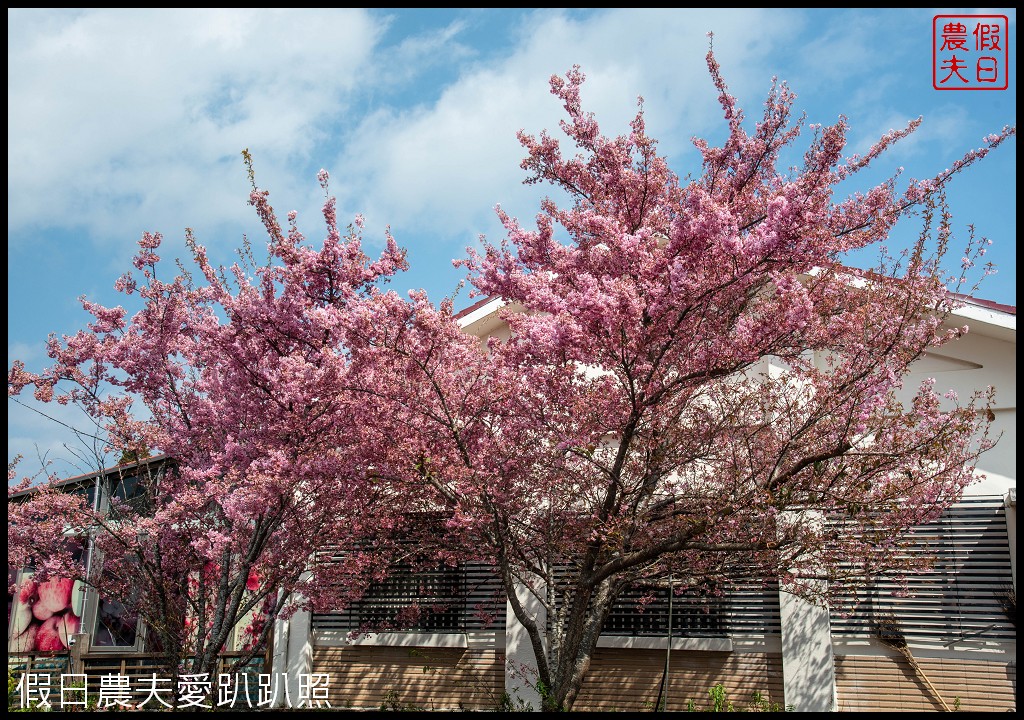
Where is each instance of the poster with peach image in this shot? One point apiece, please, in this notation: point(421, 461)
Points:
point(46, 614)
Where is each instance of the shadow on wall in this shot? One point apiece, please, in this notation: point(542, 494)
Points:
point(809, 668)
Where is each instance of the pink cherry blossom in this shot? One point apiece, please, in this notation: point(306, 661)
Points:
point(233, 387)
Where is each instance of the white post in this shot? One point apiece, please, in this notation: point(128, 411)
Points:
point(520, 663)
point(300, 655)
point(279, 658)
point(808, 666)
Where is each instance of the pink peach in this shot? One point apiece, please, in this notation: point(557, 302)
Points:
point(48, 637)
point(26, 641)
point(68, 624)
point(41, 612)
point(21, 617)
point(27, 591)
point(54, 595)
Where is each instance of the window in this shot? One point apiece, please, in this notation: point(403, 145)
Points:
point(88, 493)
point(465, 598)
point(130, 490)
point(115, 626)
point(694, 614)
point(430, 601)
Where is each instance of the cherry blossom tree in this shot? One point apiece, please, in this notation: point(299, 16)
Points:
point(238, 376)
point(696, 386)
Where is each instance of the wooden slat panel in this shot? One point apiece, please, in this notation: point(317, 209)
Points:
point(873, 683)
point(426, 678)
point(745, 607)
point(628, 680)
point(960, 597)
point(478, 603)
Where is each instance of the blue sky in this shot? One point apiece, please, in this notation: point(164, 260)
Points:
point(121, 121)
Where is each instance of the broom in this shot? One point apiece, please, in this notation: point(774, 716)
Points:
point(888, 631)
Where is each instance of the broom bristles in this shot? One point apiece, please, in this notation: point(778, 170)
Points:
point(887, 629)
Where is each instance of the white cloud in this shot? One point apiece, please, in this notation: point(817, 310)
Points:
point(122, 120)
point(30, 354)
point(440, 169)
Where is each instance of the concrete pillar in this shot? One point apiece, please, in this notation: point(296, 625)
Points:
point(520, 662)
point(300, 654)
point(279, 660)
point(292, 657)
point(808, 667)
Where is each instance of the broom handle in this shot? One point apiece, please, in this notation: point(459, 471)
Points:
point(917, 669)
